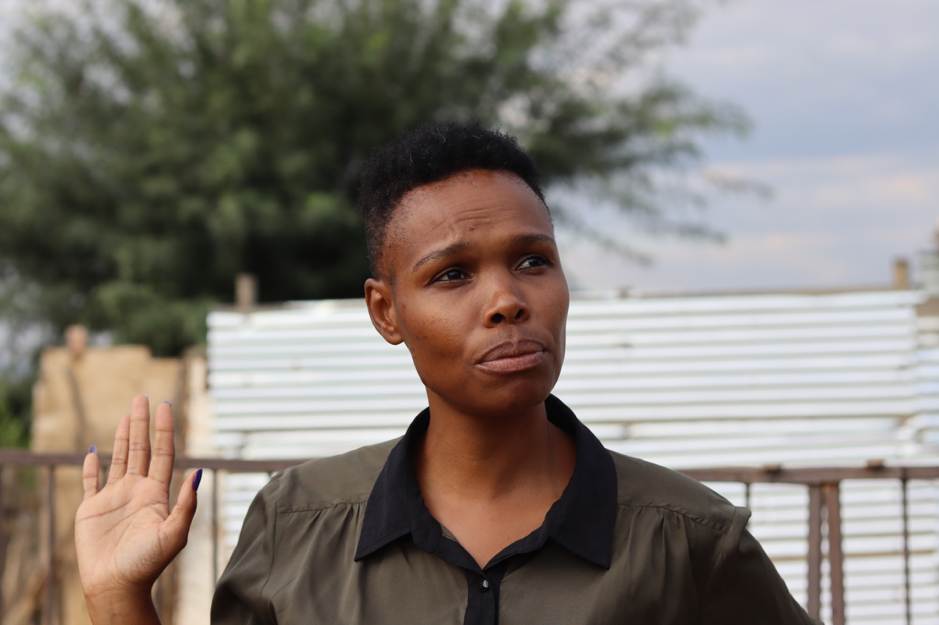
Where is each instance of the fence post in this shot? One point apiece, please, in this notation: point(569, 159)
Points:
point(215, 526)
point(835, 554)
point(908, 606)
point(815, 551)
point(3, 540)
point(50, 563)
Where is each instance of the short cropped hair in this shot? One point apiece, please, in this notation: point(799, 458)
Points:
point(432, 153)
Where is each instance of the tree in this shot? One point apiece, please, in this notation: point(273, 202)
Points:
point(152, 149)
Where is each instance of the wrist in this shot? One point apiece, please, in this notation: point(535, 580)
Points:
point(121, 607)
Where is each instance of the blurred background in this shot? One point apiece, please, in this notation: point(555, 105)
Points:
point(841, 95)
point(745, 196)
point(150, 151)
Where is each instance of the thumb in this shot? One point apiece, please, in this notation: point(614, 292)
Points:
point(180, 518)
point(90, 473)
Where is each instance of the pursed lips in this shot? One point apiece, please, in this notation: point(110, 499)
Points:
point(511, 356)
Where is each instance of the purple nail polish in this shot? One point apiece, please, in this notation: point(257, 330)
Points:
point(93, 449)
point(196, 480)
point(166, 401)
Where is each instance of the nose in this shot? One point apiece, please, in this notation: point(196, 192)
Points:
point(506, 305)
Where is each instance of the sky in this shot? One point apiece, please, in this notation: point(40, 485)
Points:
point(843, 95)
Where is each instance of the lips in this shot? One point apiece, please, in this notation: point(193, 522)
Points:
point(511, 356)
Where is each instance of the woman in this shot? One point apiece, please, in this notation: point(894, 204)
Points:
point(498, 504)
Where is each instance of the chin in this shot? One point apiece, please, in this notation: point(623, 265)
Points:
point(508, 397)
point(525, 401)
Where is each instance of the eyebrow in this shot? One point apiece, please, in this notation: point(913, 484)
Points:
point(459, 246)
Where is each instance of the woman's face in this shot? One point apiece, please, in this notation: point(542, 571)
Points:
point(472, 284)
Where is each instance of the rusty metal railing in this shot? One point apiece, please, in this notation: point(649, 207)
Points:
point(52, 461)
point(823, 484)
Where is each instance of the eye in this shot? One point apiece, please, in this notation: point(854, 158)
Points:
point(533, 262)
point(450, 275)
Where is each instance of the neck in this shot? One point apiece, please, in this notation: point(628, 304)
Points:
point(492, 457)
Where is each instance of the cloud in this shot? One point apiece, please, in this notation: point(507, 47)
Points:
point(834, 222)
point(823, 76)
point(843, 94)
point(880, 181)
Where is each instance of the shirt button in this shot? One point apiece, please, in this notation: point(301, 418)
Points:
point(484, 585)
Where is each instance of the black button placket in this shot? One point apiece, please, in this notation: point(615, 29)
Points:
point(482, 588)
point(580, 521)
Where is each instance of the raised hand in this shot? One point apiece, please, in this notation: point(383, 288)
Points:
point(125, 534)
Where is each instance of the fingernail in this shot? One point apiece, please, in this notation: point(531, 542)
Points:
point(166, 401)
point(196, 480)
point(93, 449)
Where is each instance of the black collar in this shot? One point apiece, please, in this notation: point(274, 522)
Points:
point(581, 521)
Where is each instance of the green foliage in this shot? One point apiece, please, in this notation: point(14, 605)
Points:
point(15, 411)
point(152, 149)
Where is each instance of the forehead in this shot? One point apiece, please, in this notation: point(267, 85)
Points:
point(468, 206)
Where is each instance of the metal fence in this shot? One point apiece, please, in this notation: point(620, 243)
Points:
point(53, 461)
point(686, 381)
point(824, 510)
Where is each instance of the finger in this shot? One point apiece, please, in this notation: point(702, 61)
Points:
point(119, 456)
point(90, 473)
point(161, 465)
point(180, 519)
point(138, 458)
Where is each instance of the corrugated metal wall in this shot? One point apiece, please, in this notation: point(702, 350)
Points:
point(795, 379)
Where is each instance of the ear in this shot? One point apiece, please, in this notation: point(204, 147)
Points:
point(380, 301)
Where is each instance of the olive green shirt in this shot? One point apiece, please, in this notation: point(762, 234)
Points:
point(348, 540)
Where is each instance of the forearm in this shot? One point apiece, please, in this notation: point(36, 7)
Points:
point(122, 609)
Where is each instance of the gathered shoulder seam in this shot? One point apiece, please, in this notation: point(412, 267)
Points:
point(723, 528)
point(322, 505)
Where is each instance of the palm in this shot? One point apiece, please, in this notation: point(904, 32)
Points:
point(119, 534)
point(125, 534)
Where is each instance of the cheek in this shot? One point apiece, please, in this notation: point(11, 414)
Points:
point(434, 339)
point(556, 302)
point(437, 354)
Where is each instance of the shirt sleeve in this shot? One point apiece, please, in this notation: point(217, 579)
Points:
point(240, 597)
point(744, 587)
